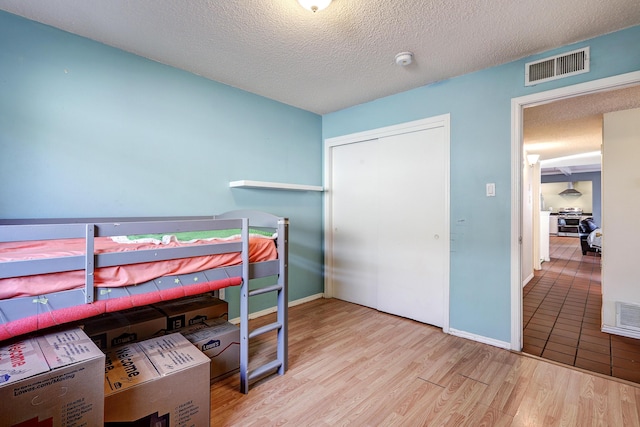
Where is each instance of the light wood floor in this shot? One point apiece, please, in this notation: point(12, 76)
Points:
point(354, 365)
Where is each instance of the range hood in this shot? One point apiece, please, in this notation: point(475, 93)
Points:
point(570, 191)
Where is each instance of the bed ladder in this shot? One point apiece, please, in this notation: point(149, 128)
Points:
point(280, 325)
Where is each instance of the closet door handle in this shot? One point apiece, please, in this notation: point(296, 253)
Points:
point(436, 236)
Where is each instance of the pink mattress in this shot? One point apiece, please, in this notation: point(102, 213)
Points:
point(260, 249)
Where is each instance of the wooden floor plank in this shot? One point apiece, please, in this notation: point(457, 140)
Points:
point(351, 365)
point(484, 416)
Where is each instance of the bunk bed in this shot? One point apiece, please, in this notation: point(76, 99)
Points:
point(58, 271)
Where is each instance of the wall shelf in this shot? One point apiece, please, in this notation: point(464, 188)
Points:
point(274, 185)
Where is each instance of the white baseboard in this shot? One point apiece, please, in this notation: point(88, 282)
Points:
point(480, 338)
point(615, 330)
point(273, 309)
point(527, 280)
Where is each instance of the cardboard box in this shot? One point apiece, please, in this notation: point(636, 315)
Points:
point(124, 327)
point(220, 341)
point(52, 380)
point(189, 311)
point(162, 381)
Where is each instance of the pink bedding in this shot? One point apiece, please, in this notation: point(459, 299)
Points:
point(260, 249)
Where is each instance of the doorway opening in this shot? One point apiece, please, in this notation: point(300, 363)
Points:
point(518, 106)
point(562, 299)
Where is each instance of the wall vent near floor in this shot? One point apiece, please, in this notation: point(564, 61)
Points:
point(628, 316)
point(557, 67)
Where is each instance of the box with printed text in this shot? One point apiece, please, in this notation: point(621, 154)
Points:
point(162, 381)
point(124, 327)
point(191, 310)
point(220, 340)
point(54, 379)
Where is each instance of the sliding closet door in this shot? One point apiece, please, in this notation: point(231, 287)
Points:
point(389, 243)
point(411, 253)
point(355, 221)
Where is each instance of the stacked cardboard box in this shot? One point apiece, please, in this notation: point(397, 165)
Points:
point(220, 341)
point(189, 311)
point(52, 380)
point(124, 327)
point(64, 379)
point(162, 381)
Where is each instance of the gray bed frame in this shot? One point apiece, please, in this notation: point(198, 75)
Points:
point(89, 228)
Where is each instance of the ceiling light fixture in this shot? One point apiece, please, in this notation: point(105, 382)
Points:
point(404, 58)
point(314, 5)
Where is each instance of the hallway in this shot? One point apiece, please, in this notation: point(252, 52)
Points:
point(561, 315)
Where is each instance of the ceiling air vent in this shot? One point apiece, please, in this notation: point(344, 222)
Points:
point(557, 67)
point(628, 316)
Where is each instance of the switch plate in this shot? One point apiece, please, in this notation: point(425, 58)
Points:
point(491, 189)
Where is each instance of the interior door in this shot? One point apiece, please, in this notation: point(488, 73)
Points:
point(411, 209)
point(355, 242)
point(389, 208)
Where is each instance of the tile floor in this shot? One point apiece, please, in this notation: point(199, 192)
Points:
point(561, 315)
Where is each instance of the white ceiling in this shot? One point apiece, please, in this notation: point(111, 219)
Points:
point(344, 55)
point(562, 129)
point(341, 56)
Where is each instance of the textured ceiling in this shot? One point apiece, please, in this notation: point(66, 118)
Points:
point(341, 56)
point(574, 125)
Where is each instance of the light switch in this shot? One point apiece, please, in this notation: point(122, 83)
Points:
point(491, 189)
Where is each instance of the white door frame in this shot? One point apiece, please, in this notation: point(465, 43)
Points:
point(413, 126)
point(517, 106)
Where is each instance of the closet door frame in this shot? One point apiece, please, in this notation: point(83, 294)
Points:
point(413, 126)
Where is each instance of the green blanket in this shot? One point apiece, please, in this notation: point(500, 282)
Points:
point(188, 236)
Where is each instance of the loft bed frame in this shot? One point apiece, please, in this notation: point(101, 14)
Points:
point(27, 314)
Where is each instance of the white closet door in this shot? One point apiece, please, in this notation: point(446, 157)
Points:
point(412, 259)
point(354, 205)
point(388, 216)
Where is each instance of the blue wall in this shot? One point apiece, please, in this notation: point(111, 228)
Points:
point(88, 130)
point(480, 108)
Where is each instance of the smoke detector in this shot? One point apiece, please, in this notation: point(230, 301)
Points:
point(404, 58)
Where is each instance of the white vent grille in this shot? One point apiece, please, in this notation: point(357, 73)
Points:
point(556, 67)
point(628, 316)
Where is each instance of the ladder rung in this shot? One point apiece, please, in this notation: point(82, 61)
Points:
point(265, 329)
point(264, 290)
point(258, 372)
